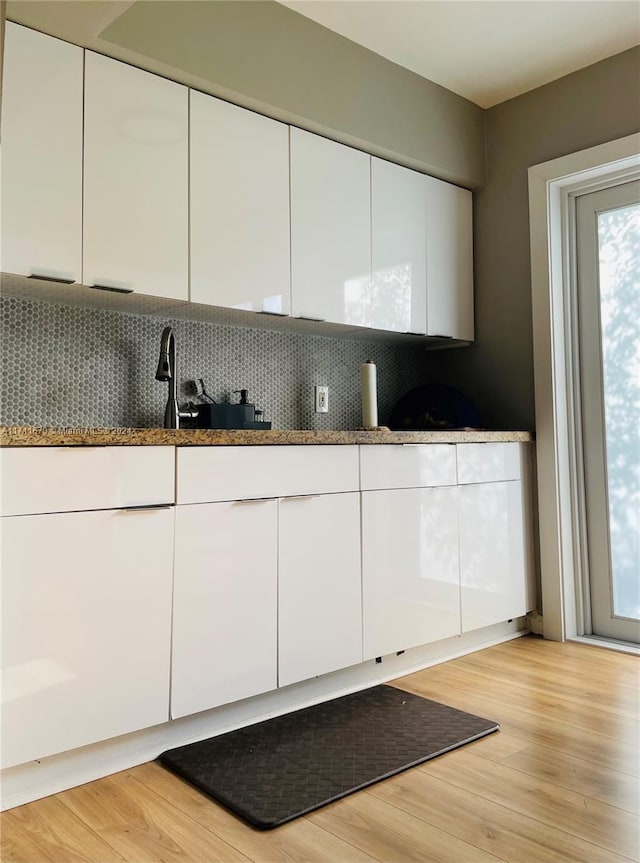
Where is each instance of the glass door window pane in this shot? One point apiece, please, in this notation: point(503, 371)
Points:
point(619, 280)
point(608, 366)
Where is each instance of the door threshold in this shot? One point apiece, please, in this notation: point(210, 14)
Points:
point(608, 643)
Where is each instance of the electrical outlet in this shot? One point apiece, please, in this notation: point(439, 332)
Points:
point(322, 400)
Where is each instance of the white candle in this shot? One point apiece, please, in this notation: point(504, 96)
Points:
point(369, 394)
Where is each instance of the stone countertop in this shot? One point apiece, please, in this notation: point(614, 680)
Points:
point(17, 436)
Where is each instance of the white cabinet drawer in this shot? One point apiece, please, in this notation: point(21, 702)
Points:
point(488, 462)
point(63, 479)
point(209, 474)
point(407, 466)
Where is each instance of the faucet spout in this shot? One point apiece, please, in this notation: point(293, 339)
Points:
point(167, 371)
point(164, 372)
point(167, 360)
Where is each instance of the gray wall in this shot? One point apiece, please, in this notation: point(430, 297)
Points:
point(263, 55)
point(3, 14)
point(596, 104)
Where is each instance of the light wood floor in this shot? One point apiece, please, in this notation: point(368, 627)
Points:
point(557, 784)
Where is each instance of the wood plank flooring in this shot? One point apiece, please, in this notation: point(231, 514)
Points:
point(558, 784)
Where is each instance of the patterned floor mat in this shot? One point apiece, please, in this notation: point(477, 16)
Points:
point(276, 770)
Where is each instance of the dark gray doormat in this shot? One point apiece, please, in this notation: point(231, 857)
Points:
point(279, 769)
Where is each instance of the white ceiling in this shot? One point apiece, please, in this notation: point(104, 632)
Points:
point(485, 50)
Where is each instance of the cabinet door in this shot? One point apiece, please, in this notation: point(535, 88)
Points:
point(239, 179)
point(492, 554)
point(41, 169)
point(86, 628)
point(225, 604)
point(135, 180)
point(398, 248)
point(449, 261)
point(330, 231)
point(319, 597)
point(410, 573)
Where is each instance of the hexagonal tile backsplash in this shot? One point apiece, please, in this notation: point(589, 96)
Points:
point(70, 366)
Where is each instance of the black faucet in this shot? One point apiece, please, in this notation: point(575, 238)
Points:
point(167, 371)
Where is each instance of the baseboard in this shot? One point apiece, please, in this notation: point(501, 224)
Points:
point(37, 779)
point(607, 643)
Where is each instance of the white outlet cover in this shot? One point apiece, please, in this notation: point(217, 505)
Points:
point(321, 399)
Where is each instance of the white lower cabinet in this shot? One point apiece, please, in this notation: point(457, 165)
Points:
point(444, 560)
point(493, 561)
point(225, 604)
point(266, 593)
point(86, 628)
point(112, 622)
point(267, 585)
point(411, 586)
point(319, 598)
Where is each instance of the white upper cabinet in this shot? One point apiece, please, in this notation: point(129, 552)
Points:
point(330, 231)
point(186, 197)
point(239, 208)
point(135, 180)
point(449, 261)
point(41, 168)
point(421, 252)
point(398, 248)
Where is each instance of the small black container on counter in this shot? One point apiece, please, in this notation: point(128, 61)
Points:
point(228, 416)
point(224, 415)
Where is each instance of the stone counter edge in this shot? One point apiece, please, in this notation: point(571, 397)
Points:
point(26, 436)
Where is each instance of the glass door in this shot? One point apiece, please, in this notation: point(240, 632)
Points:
point(608, 290)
